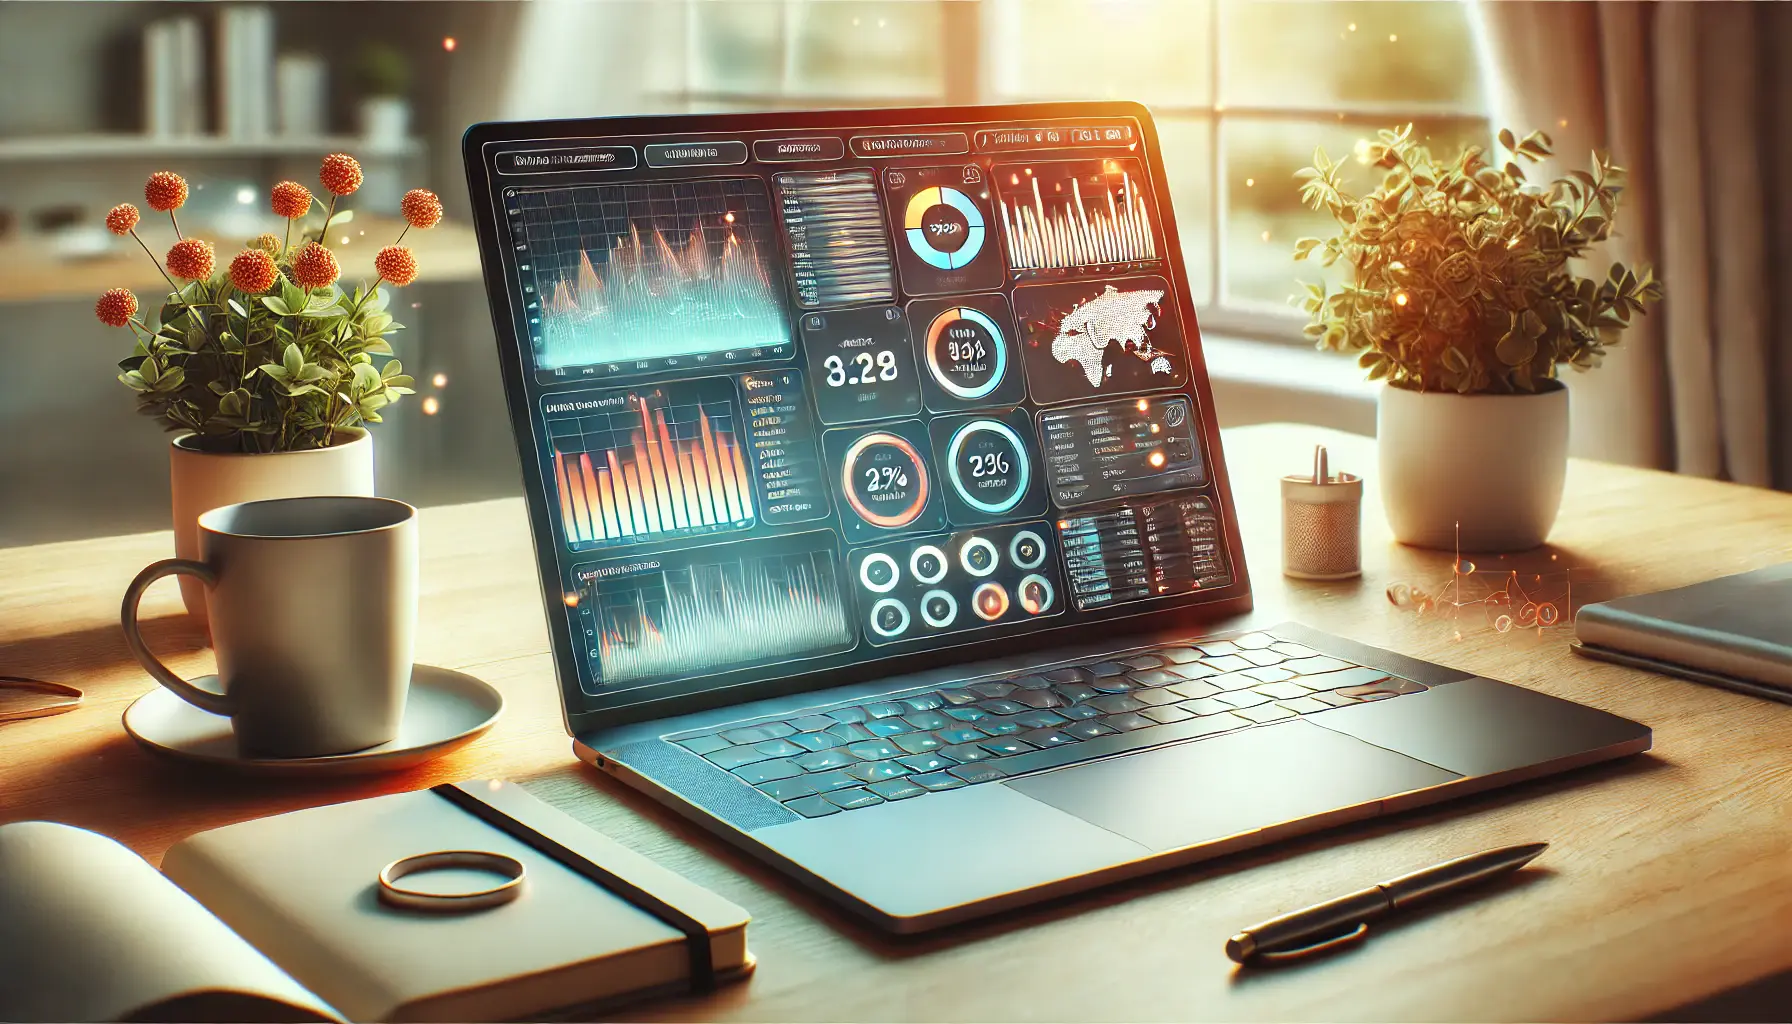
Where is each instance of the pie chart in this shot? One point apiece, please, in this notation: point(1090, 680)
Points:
point(944, 228)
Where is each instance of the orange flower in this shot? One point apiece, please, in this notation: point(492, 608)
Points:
point(341, 174)
point(291, 200)
point(253, 271)
point(267, 243)
point(421, 208)
point(116, 307)
point(164, 191)
point(190, 258)
point(122, 218)
point(314, 266)
point(396, 264)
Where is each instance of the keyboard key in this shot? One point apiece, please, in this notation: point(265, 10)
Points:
point(996, 689)
point(1304, 705)
point(927, 720)
point(1226, 663)
point(937, 781)
point(1233, 681)
point(1079, 712)
point(766, 771)
point(1335, 699)
point(1268, 675)
point(787, 789)
point(925, 762)
point(1103, 669)
point(1254, 641)
point(730, 758)
point(823, 760)
point(1347, 677)
point(1115, 703)
point(888, 727)
point(1152, 677)
point(958, 697)
point(967, 714)
point(1073, 692)
point(1047, 738)
point(1242, 698)
point(827, 782)
point(704, 744)
point(812, 723)
point(1315, 665)
point(877, 771)
point(1000, 706)
point(1167, 714)
point(896, 789)
point(975, 773)
point(1282, 691)
point(758, 733)
point(1069, 675)
point(1263, 658)
point(1206, 706)
point(1293, 650)
point(1179, 655)
point(1195, 689)
point(1087, 730)
point(1037, 698)
point(1215, 648)
point(1142, 661)
point(1127, 721)
point(958, 734)
point(966, 752)
point(1030, 682)
point(999, 727)
point(848, 733)
point(1113, 684)
point(1194, 671)
point(878, 750)
point(812, 807)
point(778, 748)
point(1157, 697)
point(813, 740)
point(1038, 719)
point(1389, 687)
point(884, 709)
point(852, 799)
point(924, 702)
point(847, 714)
point(1266, 713)
point(918, 743)
point(1009, 745)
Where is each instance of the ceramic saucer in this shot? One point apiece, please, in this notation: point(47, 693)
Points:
point(445, 711)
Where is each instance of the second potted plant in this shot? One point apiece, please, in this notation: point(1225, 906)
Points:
point(1464, 301)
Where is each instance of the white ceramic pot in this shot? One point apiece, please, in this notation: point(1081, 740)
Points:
point(386, 119)
point(1482, 471)
point(204, 480)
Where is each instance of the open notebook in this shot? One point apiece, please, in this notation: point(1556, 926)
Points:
point(279, 919)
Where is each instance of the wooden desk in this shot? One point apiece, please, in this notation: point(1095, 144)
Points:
point(1670, 877)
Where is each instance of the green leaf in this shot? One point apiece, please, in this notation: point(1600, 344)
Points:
point(278, 305)
point(292, 360)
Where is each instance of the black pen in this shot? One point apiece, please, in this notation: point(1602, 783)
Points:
point(1346, 919)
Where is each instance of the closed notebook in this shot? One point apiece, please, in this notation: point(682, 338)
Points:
point(1733, 628)
point(301, 889)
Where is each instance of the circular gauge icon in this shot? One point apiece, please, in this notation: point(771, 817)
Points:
point(978, 556)
point(965, 352)
point(938, 608)
point(989, 601)
point(1036, 594)
point(928, 563)
point(878, 572)
point(988, 466)
point(884, 480)
point(1026, 550)
point(889, 618)
point(944, 227)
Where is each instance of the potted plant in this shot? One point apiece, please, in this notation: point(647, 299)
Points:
point(385, 78)
point(265, 368)
point(1462, 298)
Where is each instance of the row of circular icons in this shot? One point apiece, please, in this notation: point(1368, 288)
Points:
point(928, 564)
point(939, 609)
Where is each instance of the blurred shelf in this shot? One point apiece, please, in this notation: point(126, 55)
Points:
point(449, 252)
point(129, 146)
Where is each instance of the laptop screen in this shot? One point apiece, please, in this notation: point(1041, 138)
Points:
point(810, 395)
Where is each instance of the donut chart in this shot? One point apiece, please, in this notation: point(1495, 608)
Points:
point(944, 227)
point(966, 353)
point(988, 464)
point(884, 479)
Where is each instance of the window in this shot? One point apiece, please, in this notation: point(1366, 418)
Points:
point(1242, 90)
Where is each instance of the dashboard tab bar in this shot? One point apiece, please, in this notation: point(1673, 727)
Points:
point(1005, 140)
point(911, 144)
point(782, 151)
point(696, 154)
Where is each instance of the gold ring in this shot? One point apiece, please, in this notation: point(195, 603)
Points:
point(509, 868)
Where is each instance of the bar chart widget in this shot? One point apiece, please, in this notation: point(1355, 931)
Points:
point(1072, 214)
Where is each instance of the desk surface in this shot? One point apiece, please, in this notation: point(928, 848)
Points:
point(1666, 881)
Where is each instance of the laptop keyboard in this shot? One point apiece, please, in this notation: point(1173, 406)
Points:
point(907, 744)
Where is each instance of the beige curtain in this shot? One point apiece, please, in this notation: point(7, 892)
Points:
point(1675, 92)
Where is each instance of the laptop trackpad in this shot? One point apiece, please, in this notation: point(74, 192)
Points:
point(1213, 788)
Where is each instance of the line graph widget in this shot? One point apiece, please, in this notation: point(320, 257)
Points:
point(966, 346)
point(1058, 215)
point(945, 240)
point(636, 278)
point(698, 612)
point(634, 465)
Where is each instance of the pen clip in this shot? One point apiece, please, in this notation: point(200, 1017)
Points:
point(1284, 955)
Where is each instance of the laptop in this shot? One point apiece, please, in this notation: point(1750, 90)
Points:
point(882, 520)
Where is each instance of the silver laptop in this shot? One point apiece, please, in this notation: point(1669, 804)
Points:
point(882, 520)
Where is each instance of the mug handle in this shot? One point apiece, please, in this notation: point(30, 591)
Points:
point(216, 703)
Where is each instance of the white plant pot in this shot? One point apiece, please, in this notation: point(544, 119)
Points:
point(204, 480)
point(386, 119)
point(1481, 471)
